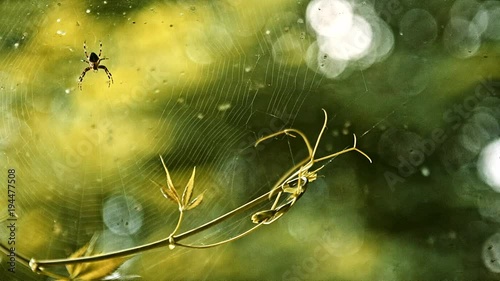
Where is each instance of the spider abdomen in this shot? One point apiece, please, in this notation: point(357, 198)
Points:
point(93, 57)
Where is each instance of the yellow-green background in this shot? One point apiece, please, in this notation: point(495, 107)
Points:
point(73, 149)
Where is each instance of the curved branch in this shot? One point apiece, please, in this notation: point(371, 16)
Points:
point(37, 264)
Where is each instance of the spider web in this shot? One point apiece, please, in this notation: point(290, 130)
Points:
point(198, 84)
point(195, 83)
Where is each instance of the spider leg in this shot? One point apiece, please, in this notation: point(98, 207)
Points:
point(85, 48)
point(85, 61)
point(80, 79)
point(100, 48)
point(110, 77)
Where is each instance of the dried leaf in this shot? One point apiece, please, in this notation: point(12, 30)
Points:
point(269, 216)
point(263, 216)
point(92, 270)
point(170, 184)
point(100, 269)
point(166, 192)
point(188, 191)
point(169, 194)
point(193, 204)
point(184, 202)
point(86, 250)
point(169, 191)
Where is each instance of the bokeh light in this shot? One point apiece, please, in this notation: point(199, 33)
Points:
point(462, 38)
point(491, 253)
point(418, 28)
point(330, 18)
point(488, 165)
point(470, 22)
point(491, 12)
point(123, 215)
point(345, 34)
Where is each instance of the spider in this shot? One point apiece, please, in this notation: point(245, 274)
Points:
point(94, 62)
point(294, 182)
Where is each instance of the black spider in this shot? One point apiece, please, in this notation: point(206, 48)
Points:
point(94, 62)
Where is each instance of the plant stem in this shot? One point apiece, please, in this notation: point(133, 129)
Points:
point(19, 258)
point(220, 242)
point(36, 265)
point(179, 221)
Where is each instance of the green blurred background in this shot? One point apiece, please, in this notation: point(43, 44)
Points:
point(198, 82)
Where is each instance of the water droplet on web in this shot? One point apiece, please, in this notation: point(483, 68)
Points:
point(224, 106)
